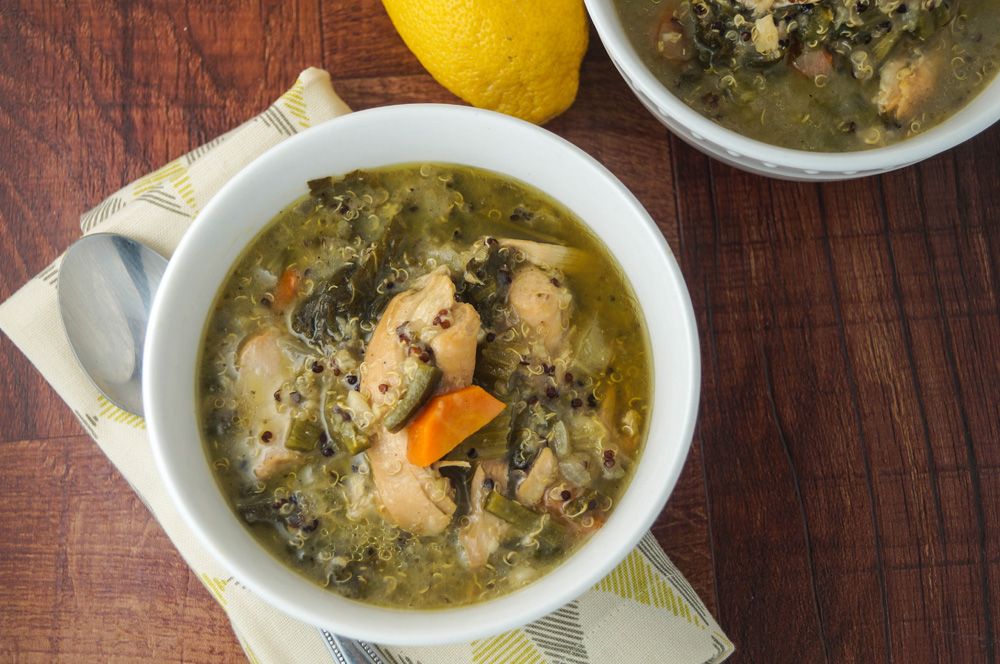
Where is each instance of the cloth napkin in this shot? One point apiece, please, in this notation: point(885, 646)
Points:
point(644, 611)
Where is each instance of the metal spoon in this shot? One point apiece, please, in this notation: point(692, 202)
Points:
point(106, 288)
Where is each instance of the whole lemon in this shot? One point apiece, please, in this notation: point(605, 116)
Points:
point(520, 57)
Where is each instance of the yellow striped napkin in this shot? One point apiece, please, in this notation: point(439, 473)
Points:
point(644, 611)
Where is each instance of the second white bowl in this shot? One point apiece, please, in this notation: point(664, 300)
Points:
point(770, 160)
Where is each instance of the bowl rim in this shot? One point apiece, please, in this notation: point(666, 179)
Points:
point(972, 119)
point(409, 627)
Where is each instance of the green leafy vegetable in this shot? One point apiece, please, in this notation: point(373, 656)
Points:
point(488, 276)
point(352, 291)
point(460, 477)
point(551, 539)
point(316, 317)
point(258, 510)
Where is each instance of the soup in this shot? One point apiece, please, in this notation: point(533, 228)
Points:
point(424, 386)
point(822, 75)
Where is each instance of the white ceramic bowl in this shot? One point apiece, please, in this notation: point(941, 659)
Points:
point(380, 137)
point(770, 160)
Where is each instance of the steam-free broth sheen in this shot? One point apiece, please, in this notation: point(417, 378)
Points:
point(821, 75)
point(424, 385)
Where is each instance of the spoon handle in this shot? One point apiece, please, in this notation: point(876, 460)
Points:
point(349, 651)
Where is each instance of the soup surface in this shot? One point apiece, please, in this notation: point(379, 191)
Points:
point(424, 386)
point(822, 75)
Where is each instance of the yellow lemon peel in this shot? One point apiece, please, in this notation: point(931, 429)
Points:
point(520, 57)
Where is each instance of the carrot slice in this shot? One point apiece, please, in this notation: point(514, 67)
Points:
point(447, 420)
point(287, 288)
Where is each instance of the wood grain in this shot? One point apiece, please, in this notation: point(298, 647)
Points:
point(842, 495)
point(88, 574)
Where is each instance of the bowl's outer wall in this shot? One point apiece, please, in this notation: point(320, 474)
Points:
point(769, 160)
point(379, 137)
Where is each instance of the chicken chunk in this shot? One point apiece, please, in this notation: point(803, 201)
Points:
point(481, 537)
point(262, 367)
point(416, 499)
point(497, 470)
point(274, 460)
point(540, 303)
point(905, 83)
point(543, 254)
point(542, 474)
point(360, 499)
point(765, 36)
point(416, 309)
point(455, 348)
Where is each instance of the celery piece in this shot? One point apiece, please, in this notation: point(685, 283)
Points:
point(352, 440)
point(490, 442)
point(511, 511)
point(418, 392)
point(303, 436)
point(884, 46)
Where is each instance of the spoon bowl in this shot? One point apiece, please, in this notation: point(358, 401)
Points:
point(106, 288)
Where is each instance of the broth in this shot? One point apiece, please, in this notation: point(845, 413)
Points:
point(821, 75)
point(369, 306)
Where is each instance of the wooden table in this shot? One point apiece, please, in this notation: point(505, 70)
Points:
point(842, 497)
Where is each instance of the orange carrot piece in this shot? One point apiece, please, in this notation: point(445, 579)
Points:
point(287, 288)
point(447, 420)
